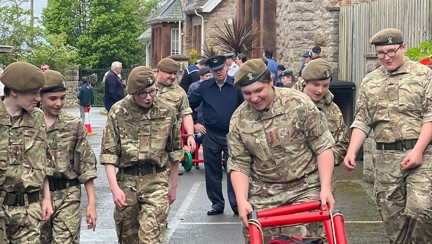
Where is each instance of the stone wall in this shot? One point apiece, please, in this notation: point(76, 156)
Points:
point(72, 80)
point(303, 24)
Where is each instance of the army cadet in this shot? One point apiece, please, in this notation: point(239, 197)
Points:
point(142, 140)
point(74, 162)
point(395, 101)
point(24, 164)
point(315, 84)
point(170, 93)
point(287, 78)
point(272, 135)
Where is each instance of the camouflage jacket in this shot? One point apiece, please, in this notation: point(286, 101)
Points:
point(281, 144)
point(174, 96)
point(335, 123)
point(395, 104)
point(135, 135)
point(23, 151)
point(70, 150)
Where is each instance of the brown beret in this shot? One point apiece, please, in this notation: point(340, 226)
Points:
point(22, 76)
point(251, 71)
point(139, 78)
point(54, 81)
point(168, 65)
point(387, 36)
point(317, 69)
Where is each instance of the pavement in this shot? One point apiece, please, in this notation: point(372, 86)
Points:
point(188, 222)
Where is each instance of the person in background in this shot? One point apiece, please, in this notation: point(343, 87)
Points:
point(316, 52)
point(74, 163)
point(241, 59)
point(114, 90)
point(271, 64)
point(287, 78)
point(280, 68)
point(306, 59)
point(273, 134)
point(44, 67)
point(24, 159)
point(219, 98)
point(395, 101)
point(232, 66)
point(190, 75)
point(142, 140)
point(85, 95)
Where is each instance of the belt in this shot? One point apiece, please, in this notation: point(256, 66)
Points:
point(15, 199)
point(398, 145)
point(57, 184)
point(142, 169)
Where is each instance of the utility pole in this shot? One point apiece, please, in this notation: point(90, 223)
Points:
point(32, 21)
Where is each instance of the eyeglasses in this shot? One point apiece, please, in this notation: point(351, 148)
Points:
point(144, 94)
point(390, 54)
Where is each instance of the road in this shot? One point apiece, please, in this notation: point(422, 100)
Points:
point(188, 222)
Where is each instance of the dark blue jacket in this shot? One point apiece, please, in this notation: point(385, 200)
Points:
point(190, 75)
point(114, 90)
point(218, 103)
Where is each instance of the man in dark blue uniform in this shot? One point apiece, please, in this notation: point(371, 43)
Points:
point(190, 75)
point(220, 99)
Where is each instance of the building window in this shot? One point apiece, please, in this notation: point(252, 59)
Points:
point(175, 44)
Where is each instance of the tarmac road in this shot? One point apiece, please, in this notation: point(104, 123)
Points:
point(188, 222)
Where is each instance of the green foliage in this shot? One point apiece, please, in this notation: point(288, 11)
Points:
point(422, 51)
point(16, 29)
point(53, 51)
point(193, 56)
point(111, 35)
point(66, 16)
point(146, 7)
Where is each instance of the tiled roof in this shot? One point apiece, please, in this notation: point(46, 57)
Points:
point(171, 11)
point(145, 36)
point(201, 6)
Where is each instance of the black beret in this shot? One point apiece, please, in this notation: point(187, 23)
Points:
point(287, 72)
point(216, 62)
point(204, 70)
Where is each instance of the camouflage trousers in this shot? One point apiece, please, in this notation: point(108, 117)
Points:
point(22, 223)
point(143, 220)
point(404, 197)
point(64, 225)
point(271, 195)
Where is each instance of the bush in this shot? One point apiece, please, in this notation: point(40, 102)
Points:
point(193, 56)
point(423, 50)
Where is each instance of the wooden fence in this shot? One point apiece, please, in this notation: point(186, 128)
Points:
point(359, 22)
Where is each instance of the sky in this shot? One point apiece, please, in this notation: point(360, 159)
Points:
point(38, 6)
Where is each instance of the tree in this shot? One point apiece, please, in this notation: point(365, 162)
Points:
point(15, 29)
point(66, 16)
point(112, 34)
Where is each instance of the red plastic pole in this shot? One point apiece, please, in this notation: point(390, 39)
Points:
point(329, 232)
point(295, 208)
point(299, 218)
point(255, 234)
point(339, 229)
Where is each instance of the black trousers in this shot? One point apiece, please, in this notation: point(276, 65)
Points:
point(214, 145)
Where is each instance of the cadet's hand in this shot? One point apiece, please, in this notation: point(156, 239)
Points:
point(191, 143)
point(244, 208)
point(172, 194)
point(327, 200)
point(119, 198)
point(412, 160)
point(91, 217)
point(200, 128)
point(349, 162)
point(47, 209)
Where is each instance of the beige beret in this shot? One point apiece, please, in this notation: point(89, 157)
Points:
point(54, 81)
point(387, 36)
point(139, 78)
point(22, 76)
point(251, 71)
point(168, 65)
point(317, 69)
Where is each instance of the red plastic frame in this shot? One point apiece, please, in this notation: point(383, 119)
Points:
point(289, 215)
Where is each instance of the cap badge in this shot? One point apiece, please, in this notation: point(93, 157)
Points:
point(327, 73)
point(63, 83)
point(390, 40)
point(250, 76)
point(215, 61)
point(149, 80)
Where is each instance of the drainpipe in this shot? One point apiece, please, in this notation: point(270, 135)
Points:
point(202, 32)
point(180, 38)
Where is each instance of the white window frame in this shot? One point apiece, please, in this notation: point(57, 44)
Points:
point(175, 42)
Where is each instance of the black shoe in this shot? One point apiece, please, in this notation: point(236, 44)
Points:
point(214, 212)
